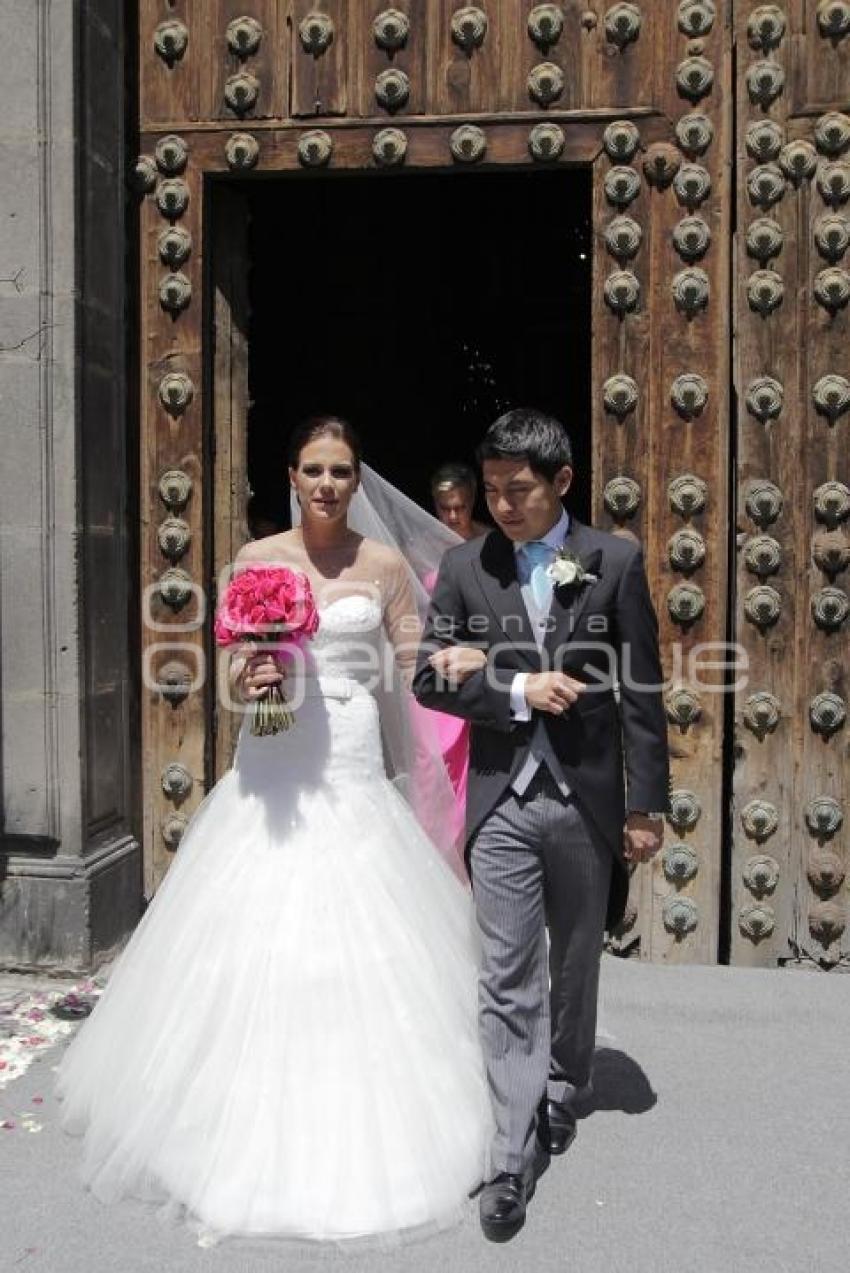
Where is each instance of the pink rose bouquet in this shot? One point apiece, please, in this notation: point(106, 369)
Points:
point(268, 604)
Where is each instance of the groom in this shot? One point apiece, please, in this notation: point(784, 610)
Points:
point(528, 630)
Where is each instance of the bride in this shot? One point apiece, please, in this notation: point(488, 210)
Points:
point(288, 1043)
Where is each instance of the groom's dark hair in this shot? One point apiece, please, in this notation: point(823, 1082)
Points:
point(526, 433)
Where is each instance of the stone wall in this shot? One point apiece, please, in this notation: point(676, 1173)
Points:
point(69, 858)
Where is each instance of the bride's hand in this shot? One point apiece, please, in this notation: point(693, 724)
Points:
point(458, 662)
point(259, 671)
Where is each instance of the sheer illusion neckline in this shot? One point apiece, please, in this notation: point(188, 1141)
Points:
point(378, 575)
point(363, 581)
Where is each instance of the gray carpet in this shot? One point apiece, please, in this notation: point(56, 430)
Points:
point(719, 1141)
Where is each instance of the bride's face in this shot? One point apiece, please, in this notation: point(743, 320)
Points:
point(325, 479)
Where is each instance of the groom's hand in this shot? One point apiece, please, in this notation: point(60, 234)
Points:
point(456, 663)
point(642, 837)
point(553, 692)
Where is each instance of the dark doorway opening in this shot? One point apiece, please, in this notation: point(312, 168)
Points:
point(419, 306)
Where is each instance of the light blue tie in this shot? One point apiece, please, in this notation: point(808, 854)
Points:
point(538, 556)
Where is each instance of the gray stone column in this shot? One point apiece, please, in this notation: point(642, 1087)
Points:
point(70, 871)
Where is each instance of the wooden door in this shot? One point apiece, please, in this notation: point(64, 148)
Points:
point(660, 369)
point(792, 374)
point(640, 95)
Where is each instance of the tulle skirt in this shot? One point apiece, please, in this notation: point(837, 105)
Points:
point(288, 1044)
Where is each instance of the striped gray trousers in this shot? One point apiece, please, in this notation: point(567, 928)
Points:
point(537, 862)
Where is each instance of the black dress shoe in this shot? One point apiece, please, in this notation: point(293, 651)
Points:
point(557, 1130)
point(502, 1205)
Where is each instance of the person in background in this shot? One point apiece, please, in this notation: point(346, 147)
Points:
point(453, 490)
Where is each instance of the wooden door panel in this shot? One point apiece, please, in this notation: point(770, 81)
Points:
point(790, 789)
point(245, 40)
point(171, 61)
point(465, 77)
point(522, 53)
point(315, 58)
point(661, 465)
point(319, 53)
point(820, 78)
point(620, 73)
point(392, 48)
point(195, 66)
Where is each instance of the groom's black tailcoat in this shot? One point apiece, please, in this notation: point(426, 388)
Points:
point(614, 754)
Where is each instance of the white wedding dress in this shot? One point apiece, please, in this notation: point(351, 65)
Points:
point(288, 1044)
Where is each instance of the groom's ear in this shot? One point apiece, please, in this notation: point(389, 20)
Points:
point(563, 480)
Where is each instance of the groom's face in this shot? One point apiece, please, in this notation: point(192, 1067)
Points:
point(522, 503)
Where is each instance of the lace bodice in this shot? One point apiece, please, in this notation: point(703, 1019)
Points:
point(369, 592)
point(348, 642)
point(356, 721)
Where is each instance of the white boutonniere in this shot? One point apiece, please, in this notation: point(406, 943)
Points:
point(567, 569)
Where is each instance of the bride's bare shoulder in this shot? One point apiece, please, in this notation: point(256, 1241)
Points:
point(283, 546)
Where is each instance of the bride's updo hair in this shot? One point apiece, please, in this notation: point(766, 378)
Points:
point(323, 426)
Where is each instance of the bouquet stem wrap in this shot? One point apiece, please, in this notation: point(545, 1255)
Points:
point(271, 714)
